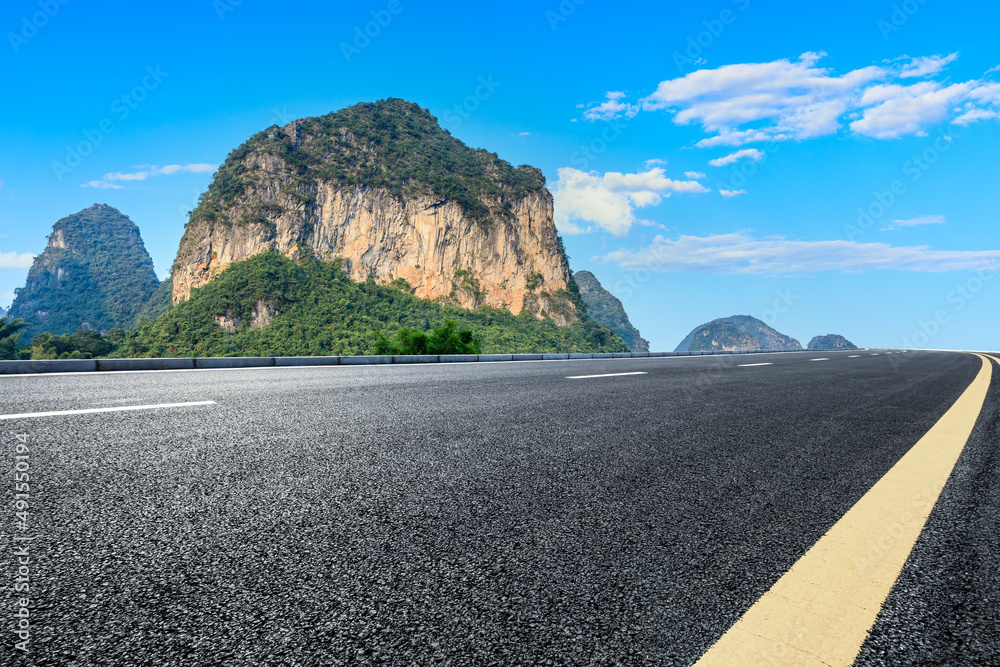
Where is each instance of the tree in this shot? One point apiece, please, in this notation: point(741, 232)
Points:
point(10, 335)
point(448, 339)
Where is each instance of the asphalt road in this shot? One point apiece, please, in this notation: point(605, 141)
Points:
point(480, 514)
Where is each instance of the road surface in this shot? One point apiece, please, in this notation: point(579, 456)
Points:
point(597, 512)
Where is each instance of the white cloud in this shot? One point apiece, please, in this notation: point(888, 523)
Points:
point(913, 222)
point(7, 298)
point(925, 66)
point(729, 194)
point(741, 254)
point(694, 175)
point(612, 107)
point(609, 201)
point(974, 115)
point(796, 100)
point(804, 100)
point(895, 110)
point(15, 261)
point(993, 69)
point(148, 170)
point(741, 137)
point(101, 185)
point(744, 153)
point(655, 162)
point(525, 134)
point(987, 93)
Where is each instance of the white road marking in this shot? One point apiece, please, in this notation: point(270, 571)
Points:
point(821, 359)
point(606, 375)
point(854, 356)
point(766, 363)
point(873, 354)
point(90, 411)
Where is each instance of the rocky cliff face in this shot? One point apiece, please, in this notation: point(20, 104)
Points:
point(382, 189)
point(722, 335)
point(95, 274)
point(831, 342)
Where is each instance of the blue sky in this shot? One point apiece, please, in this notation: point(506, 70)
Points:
point(828, 168)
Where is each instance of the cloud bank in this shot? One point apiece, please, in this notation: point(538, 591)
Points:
point(742, 254)
point(787, 100)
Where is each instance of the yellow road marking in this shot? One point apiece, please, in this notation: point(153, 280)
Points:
point(820, 611)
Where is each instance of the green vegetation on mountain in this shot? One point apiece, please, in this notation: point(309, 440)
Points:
point(604, 308)
point(159, 303)
point(831, 342)
point(94, 274)
point(269, 305)
point(390, 144)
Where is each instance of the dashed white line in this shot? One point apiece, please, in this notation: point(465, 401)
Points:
point(853, 356)
point(606, 375)
point(873, 354)
point(821, 359)
point(90, 411)
point(766, 363)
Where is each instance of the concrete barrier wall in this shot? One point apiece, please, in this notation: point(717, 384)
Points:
point(53, 366)
point(366, 360)
point(496, 357)
point(233, 362)
point(90, 365)
point(415, 359)
point(307, 361)
point(456, 358)
point(144, 364)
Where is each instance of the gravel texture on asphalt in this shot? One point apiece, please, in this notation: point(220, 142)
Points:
point(945, 607)
point(469, 514)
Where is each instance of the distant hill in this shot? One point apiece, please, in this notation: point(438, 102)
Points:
point(604, 308)
point(94, 274)
point(739, 332)
point(831, 342)
point(3, 311)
